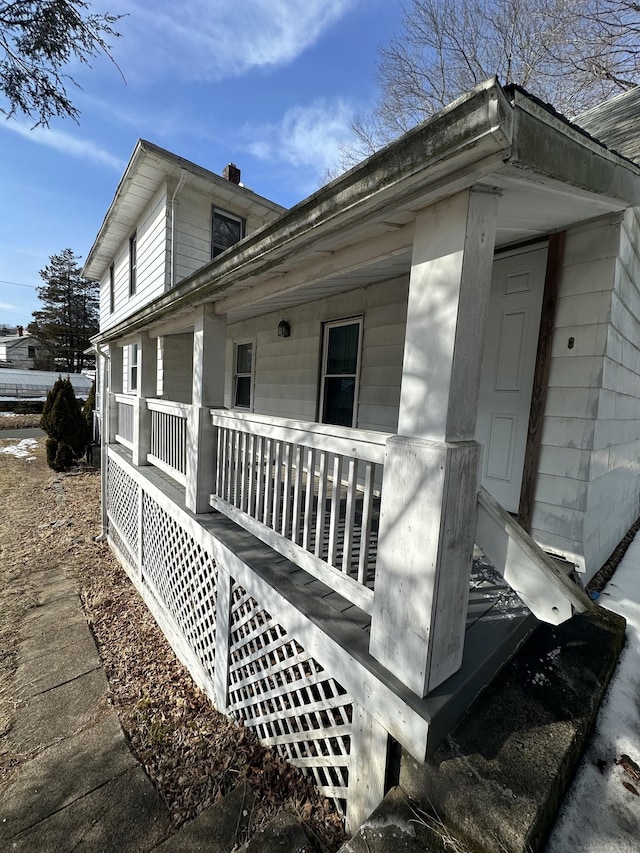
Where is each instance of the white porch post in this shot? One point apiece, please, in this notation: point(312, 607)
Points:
point(115, 380)
point(146, 387)
point(429, 495)
point(209, 353)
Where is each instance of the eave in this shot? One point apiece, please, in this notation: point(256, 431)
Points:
point(359, 228)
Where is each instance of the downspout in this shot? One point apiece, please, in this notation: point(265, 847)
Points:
point(181, 183)
point(104, 441)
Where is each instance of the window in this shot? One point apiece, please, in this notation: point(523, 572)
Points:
point(31, 352)
point(243, 375)
point(133, 367)
point(226, 229)
point(340, 369)
point(112, 290)
point(133, 264)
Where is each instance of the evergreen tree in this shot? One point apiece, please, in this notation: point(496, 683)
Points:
point(65, 425)
point(70, 313)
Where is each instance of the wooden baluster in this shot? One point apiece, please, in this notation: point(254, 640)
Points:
point(334, 519)
point(322, 496)
point(268, 482)
point(277, 482)
point(243, 471)
point(308, 497)
point(297, 493)
point(286, 489)
point(365, 526)
point(350, 510)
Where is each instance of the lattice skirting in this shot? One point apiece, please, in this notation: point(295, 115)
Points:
point(265, 678)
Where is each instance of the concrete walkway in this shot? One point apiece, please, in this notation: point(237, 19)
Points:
point(77, 785)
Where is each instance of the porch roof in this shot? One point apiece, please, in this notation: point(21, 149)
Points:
point(359, 229)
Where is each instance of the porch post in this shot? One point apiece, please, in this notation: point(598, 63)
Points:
point(146, 387)
point(209, 353)
point(429, 495)
point(115, 380)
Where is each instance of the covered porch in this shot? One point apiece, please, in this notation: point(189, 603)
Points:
point(336, 586)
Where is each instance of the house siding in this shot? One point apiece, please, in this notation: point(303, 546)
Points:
point(287, 370)
point(587, 489)
point(175, 362)
point(152, 264)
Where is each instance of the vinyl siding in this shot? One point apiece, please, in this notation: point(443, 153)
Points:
point(587, 490)
point(287, 370)
point(152, 269)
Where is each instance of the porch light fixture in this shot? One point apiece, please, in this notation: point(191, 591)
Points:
point(284, 329)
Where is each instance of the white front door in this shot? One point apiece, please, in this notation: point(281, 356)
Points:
point(508, 366)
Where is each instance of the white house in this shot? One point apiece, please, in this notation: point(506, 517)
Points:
point(19, 350)
point(313, 415)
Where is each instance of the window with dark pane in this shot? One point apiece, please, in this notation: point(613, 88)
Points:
point(226, 229)
point(243, 372)
point(340, 369)
point(133, 368)
point(133, 264)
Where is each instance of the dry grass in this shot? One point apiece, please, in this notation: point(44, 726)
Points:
point(18, 421)
point(193, 754)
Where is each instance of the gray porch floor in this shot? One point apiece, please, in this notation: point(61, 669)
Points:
point(497, 620)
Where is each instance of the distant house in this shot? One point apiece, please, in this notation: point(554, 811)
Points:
point(19, 350)
point(312, 416)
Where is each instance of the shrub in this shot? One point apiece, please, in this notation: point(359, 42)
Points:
point(62, 420)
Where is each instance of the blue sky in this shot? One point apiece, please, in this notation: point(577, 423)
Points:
point(270, 85)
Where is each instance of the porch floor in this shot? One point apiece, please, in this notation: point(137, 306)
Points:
point(497, 620)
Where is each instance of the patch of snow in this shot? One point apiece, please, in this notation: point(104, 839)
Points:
point(23, 449)
point(8, 415)
point(601, 811)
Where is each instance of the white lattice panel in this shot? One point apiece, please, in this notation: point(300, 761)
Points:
point(279, 690)
point(184, 575)
point(122, 507)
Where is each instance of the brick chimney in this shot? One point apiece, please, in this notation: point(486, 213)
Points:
point(20, 330)
point(231, 173)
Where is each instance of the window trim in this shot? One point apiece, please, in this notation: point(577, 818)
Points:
point(252, 376)
point(132, 368)
point(243, 228)
point(358, 320)
point(133, 263)
point(112, 289)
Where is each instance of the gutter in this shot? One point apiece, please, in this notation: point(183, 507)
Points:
point(473, 133)
point(104, 439)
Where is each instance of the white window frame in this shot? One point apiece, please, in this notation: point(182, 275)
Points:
point(234, 216)
point(326, 326)
point(236, 375)
point(132, 369)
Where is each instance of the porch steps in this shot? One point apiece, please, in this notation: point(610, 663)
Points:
point(496, 783)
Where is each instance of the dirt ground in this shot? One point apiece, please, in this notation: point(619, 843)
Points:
point(18, 421)
point(193, 754)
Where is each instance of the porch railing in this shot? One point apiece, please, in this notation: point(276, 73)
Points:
point(124, 431)
point(310, 491)
point(168, 440)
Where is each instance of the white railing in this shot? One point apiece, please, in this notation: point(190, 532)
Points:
point(124, 431)
point(168, 440)
point(310, 491)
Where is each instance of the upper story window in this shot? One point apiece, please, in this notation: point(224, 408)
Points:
point(243, 375)
point(226, 229)
point(133, 263)
point(112, 289)
point(340, 372)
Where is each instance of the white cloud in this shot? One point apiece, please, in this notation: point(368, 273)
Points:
point(307, 136)
point(7, 306)
point(61, 141)
point(198, 40)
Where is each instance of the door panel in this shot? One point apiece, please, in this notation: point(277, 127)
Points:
point(508, 367)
